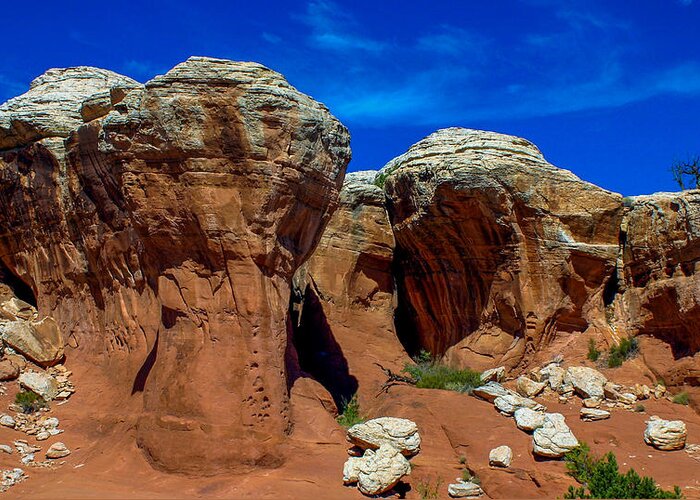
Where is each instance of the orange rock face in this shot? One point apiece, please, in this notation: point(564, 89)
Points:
point(497, 250)
point(163, 237)
point(345, 320)
point(660, 282)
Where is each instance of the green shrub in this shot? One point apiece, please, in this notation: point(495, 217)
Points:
point(682, 398)
point(427, 489)
point(350, 413)
point(640, 408)
point(469, 477)
point(601, 478)
point(381, 177)
point(29, 401)
point(626, 349)
point(593, 352)
point(431, 374)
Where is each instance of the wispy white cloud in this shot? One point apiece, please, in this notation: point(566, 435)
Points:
point(448, 75)
point(271, 37)
point(331, 28)
point(453, 41)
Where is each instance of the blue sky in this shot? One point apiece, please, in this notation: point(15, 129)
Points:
point(608, 89)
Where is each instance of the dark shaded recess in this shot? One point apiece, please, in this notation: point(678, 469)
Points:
point(21, 290)
point(318, 353)
point(404, 314)
point(611, 289)
point(145, 370)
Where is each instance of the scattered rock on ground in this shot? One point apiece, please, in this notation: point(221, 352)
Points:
point(40, 383)
point(40, 341)
point(591, 403)
point(401, 433)
point(11, 477)
point(379, 471)
point(553, 374)
point(587, 382)
point(627, 398)
point(490, 391)
point(592, 414)
point(529, 388)
point(612, 391)
point(501, 456)
point(57, 450)
point(464, 490)
point(6, 448)
point(8, 370)
point(665, 435)
point(493, 375)
point(554, 438)
point(528, 419)
point(510, 402)
point(7, 421)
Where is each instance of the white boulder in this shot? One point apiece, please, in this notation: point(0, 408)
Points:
point(510, 402)
point(587, 382)
point(501, 456)
point(379, 471)
point(665, 435)
point(554, 439)
point(400, 433)
point(527, 419)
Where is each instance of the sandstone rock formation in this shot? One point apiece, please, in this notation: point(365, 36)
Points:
point(660, 284)
point(497, 250)
point(665, 435)
point(344, 295)
point(53, 106)
point(179, 213)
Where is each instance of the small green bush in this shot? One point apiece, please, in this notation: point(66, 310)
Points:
point(682, 398)
point(29, 401)
point(626, 349)
point(640, 408)
point(350, 413)
point(601, 478)
point(468, 477)
point(427, 489)
point(593, 352)
point(431, 374)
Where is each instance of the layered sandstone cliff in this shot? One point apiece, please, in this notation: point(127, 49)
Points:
point(163, 234)
point(497, 250)
point(660, 283)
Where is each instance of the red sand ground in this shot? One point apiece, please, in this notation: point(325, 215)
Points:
point(106, 463)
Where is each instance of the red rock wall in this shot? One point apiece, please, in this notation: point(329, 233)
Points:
point(497, 250)
point(165, 243)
